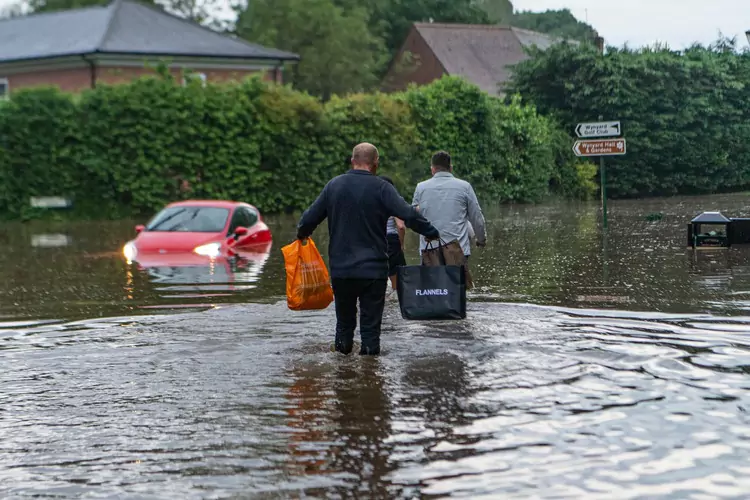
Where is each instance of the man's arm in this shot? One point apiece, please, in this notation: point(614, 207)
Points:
point(397, 207)
point(401, 231)
point(476, 218)
point(313, 216)
point(415, 198)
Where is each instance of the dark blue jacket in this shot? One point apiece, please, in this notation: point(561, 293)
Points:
point(358, 205)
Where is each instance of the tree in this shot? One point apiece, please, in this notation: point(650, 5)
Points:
point(392, 19)
point(199, 11)
point(684, 113)
point(560, 23)
point(56, 5)
point(498, 11)
point(13, 10)
point(338, 52)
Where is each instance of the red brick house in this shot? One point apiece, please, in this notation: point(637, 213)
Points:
point(77, 49)
point(482, 54)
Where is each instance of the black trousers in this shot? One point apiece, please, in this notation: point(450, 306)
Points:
point(371, 297)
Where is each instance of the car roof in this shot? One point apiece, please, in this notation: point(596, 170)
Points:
point(210, 203)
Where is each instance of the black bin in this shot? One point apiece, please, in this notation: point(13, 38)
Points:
point(710, 230)
point(740, 231)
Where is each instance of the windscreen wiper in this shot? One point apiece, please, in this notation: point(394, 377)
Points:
point(195, 214)
point(168, 218)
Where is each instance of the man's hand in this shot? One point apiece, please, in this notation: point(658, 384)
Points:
point(481, 244)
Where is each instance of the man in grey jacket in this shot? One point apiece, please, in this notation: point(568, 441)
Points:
point(451, 205)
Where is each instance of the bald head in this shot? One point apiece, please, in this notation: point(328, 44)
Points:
point(365, 157)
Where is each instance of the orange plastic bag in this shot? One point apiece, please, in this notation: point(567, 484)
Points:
point(308, 285)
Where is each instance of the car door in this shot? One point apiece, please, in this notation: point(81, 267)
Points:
point(239, 219)
point(243, 217)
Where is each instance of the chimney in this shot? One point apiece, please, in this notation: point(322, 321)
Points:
point(599, 41)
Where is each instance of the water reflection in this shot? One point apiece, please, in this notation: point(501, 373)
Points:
point(552, 254)
point(308, 418)
point(183, 279)
point(362, 410)
point(340, 414)
point(68, 271)
point(50, 240)
point(221, 272)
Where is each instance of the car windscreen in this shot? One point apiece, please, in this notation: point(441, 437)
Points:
point(190, 219)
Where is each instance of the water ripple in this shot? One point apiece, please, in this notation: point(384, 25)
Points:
point(248, 402)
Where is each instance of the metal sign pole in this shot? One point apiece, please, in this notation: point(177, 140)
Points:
point(603, 174)
point(603, 171)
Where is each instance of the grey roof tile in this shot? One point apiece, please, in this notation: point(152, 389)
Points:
point(528, 38)
point(480, 53)
point(53, 34)
point(124, 27)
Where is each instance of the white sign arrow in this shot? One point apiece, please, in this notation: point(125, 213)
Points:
point(598, 129)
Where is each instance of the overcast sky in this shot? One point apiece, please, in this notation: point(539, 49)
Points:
point(643, 22)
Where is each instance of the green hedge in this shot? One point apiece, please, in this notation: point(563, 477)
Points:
point(127, 149)
point(685, 114)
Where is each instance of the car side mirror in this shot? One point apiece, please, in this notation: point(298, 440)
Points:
point(139, 228)
point(241, 231)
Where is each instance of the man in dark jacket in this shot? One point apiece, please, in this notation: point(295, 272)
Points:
point(358, 205)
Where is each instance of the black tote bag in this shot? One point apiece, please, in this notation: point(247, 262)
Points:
point(432, 292)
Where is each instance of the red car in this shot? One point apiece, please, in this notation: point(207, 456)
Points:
point(196, 231)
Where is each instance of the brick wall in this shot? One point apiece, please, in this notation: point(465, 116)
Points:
point(79, 78)
point(69, 80)
point(122, 75)
point(422, 68)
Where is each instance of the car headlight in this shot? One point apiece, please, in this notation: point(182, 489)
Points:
point(130, 251)
point(208, 250)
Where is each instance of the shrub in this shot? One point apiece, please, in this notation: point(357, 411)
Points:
point(130, 149)
point(684, 113)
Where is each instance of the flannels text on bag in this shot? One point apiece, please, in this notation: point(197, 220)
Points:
point(432, 292)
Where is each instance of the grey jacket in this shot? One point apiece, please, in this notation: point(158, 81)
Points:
point(450, 204)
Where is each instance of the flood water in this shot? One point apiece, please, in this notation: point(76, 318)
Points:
point(591, 365)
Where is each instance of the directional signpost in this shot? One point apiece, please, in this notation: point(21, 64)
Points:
point(600, 147)
point(598, 129)
point(592, 144)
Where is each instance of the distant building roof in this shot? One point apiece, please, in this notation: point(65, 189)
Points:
point(481, 53)
point(122, 27)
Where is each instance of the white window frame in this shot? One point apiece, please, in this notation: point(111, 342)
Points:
point(6, 95)
point(201, 76)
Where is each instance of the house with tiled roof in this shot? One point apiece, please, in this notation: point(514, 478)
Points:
point(80, 48)
point(483, 54)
